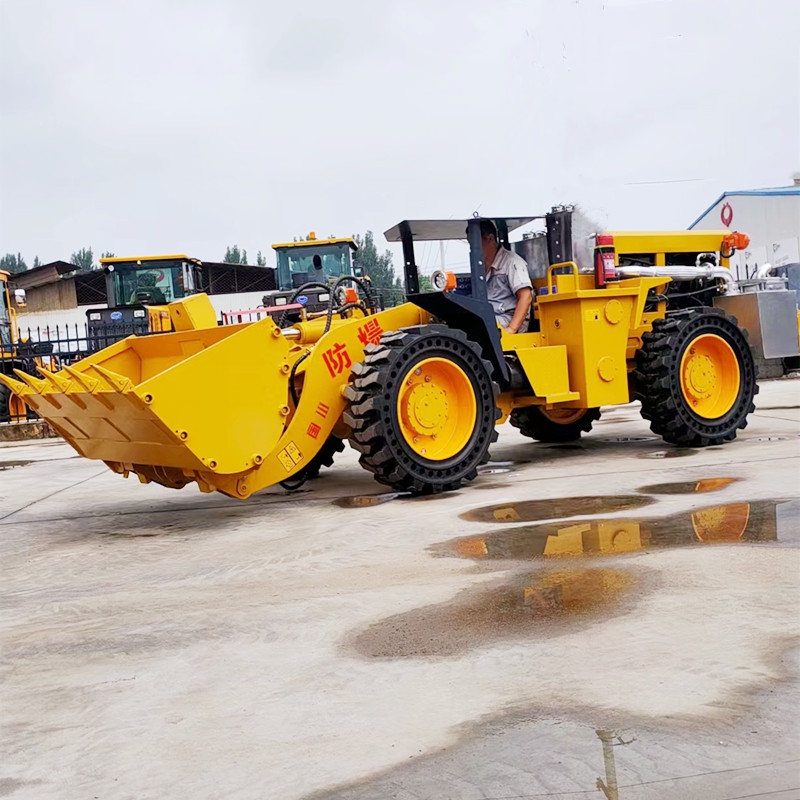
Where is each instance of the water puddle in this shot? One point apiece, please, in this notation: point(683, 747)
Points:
point(688, 487)
point(367, 500)
point(538, 510)
point(519, 606)
point(497, 467)
point(678, 453)
point(619, 439)
point(13, 464)
point(760, 521)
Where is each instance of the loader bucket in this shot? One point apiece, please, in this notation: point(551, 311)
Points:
point(200, 405)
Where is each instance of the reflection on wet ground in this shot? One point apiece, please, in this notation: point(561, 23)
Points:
point(12, 464)
point(761, 521)
point(621, 439)
point(366, 500)
point(688, 487)
point(523, 602)
point(537, 756)
point(677, 453)
point(557, 508)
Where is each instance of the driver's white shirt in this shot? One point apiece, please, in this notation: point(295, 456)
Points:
point(508, 274)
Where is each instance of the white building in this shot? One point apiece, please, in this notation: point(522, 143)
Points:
point(770, 217)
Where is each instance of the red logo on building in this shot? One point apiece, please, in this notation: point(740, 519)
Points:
point(322, 410)
point(313, 430)
point(726, 215)
point(371, 331)
point(337, 359)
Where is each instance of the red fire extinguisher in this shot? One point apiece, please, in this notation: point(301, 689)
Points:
point(604, 257)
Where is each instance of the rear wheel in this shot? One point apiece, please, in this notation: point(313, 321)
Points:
point(422, 409)
point(554, 424)
point(695, 377)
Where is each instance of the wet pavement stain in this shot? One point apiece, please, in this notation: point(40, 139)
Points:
point(678, 453)
point(13, 464)
point(367, 500)
point(622, 439)
point(760, 521)
point(498, 467)
point(538, 510)
point(688, 487)
point(520, 605)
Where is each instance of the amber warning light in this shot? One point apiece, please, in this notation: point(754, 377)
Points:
point(733, 242)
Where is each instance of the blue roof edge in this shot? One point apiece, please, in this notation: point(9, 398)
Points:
point(776, 192)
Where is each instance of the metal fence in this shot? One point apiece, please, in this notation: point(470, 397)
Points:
point(51, 348)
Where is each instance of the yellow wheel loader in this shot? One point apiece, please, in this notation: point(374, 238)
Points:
point(16, 355)
point(419, 389)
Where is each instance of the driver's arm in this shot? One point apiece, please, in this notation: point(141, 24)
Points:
point(524, 300)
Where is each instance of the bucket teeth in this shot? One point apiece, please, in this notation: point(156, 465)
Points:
point(82, 379)
point(37, 389)
point(18, 387)
point(114, 380)
point(37, 384)
point(59, 381)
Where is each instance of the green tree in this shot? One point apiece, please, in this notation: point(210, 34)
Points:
point(107, 255)
point(260, 260)
point(83, 259)
point(378, 266)
point(233, 255)
point(13, 263)
point(425, 284)
point(36, 262)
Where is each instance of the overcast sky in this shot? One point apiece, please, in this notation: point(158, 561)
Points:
point(157, 126)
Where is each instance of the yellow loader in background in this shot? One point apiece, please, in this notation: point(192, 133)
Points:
point(16, 355)
point(419, 389)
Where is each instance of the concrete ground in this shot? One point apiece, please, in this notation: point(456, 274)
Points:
point(616, 618)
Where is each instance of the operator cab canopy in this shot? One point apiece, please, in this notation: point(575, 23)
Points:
point(438, 230)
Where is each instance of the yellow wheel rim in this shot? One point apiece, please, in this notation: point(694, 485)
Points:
point(721, 523)
point(436, 409)
point(709, 375)
point(563, 416)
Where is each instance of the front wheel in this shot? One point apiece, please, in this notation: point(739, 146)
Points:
point(422, 409)
point(695, 378)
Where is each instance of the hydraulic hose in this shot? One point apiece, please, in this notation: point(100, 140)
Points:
point(683, 274)
point(297, 292)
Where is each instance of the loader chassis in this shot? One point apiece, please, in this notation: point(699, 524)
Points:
point(417, 389)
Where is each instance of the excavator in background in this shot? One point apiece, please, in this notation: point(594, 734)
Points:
point(418, 389)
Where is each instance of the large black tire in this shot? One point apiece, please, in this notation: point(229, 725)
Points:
point(332, 446)
point(5, 402)
point(671, 387)
point(378, 432)
point(554, 425)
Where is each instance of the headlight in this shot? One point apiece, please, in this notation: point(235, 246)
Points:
point(443, 281)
